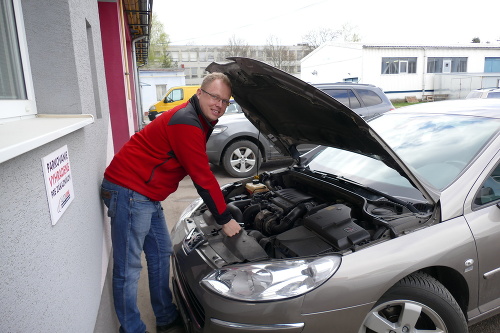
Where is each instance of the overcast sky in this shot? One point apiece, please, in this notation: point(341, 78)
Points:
point(386, 21)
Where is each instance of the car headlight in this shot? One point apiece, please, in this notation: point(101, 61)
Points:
point(152, 108)
point(272, 280)
point(219, 129)
point(189, 210)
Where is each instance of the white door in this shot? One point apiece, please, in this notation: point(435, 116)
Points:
point(446, 66)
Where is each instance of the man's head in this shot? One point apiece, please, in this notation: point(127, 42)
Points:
point(214, 95)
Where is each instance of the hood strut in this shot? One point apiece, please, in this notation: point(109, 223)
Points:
point(294, 153)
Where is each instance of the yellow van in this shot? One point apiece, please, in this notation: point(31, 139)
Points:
point(174, 96)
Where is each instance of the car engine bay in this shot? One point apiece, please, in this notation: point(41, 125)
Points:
point(295, 213)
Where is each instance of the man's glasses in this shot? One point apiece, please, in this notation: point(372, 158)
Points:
point(216, 98)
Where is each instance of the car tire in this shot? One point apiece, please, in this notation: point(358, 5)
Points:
point(417, 302)
point(241, 159)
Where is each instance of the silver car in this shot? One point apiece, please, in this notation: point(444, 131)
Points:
point(484, 93)
point(387, 226)
point(237, 146)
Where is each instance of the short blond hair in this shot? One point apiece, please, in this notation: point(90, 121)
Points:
point(216, 76)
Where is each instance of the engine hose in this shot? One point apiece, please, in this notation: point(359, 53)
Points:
point(235, 212)
point(288, 221)
point(249, 215)
point(241, 203)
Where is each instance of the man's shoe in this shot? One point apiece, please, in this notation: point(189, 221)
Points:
point(166, 328)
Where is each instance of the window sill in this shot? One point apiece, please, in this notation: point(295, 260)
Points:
point(21, 136)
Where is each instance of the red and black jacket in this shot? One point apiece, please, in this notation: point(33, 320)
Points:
point(158, 157)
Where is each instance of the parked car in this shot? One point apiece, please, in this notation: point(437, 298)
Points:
point(366, 100)
point(174, 96)
point(390, 225)
point(236, 145)
point(484, 93)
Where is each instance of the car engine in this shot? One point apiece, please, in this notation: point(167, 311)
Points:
point(294, 214)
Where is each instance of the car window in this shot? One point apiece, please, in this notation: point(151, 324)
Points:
point(474, 94)
point(490, 191)
point(494, 94)
point(344, 96)
point(233, 108)
point(175, 95)
point(369, 97)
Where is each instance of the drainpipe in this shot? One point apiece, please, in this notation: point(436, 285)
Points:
point(423, 73)
point(138, 95)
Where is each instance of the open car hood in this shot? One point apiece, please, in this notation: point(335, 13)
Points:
point(290, 112)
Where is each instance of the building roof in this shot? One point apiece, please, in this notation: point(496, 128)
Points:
point(429, 46)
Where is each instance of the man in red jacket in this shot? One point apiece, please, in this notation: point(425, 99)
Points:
point(139, 177)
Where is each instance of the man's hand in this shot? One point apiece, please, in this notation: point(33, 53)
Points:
point(231, 228)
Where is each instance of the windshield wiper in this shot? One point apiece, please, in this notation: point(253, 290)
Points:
point(406, 204)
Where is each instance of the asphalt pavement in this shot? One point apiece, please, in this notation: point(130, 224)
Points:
point(175, 205)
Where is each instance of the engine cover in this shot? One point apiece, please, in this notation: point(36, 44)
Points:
point(289, 198)
point(335, 225)
point(299, 242)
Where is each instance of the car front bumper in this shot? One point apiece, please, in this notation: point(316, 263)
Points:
point(205, 312)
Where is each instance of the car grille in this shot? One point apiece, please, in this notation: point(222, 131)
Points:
point(193, 306)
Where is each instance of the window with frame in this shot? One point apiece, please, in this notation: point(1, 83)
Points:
point(194, 72)
point(391, 65)
point(492, 64)
point(16, 91)
point(437, 64)
point(161, 90)
point(490, 190)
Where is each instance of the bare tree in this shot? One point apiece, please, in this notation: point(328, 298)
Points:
point(315, 38)
point(349, 33)
point(158, 55)
point(236, 48)
point(476, 40)
point(278, 55)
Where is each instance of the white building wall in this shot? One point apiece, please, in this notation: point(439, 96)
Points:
point(333, 61)
point(195, 58)
point(150, 79)
point(372, 71)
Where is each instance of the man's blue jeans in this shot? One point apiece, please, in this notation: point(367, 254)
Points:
point(138, 224)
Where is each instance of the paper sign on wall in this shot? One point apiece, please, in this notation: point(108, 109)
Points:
point(58, 182)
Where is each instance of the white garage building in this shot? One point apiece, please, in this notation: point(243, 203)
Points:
point(406, 70)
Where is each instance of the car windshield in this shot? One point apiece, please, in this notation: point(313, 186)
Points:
point(426, 143)
point(494, 94)
point(233, 108)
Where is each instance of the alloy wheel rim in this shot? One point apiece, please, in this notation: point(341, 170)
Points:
point(242, 159)
point(403, 316)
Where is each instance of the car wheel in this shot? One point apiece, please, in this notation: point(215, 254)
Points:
point(416, 303)
point(241, 159)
